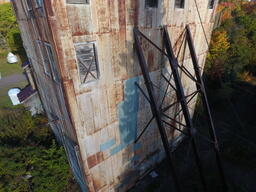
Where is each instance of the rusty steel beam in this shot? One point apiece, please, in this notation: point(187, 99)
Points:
point(201, 87)
point(155, 108)
point(181, 97)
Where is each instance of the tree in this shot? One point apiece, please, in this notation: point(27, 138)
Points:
point(9, 30)
point(218, 54)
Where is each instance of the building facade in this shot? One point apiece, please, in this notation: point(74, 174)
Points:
point(85, 67)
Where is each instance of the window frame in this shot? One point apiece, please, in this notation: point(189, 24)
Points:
point(52, 62)
point(37, 5)
point(181, 4)
point(94, 44)
point(147, 6)
point(79, 3)
point(40, 46)
point(211, 4)
point(29, 6)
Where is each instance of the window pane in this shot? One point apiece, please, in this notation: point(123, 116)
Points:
point(29, 4)
point(51, 58)
point(43, 57)
point(39, 3)
point(179, 3)
point(211, 4)
point(87, 62)
point(151, 3)
point(77, 1)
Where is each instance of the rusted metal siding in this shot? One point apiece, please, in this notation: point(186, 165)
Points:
point(107, 114)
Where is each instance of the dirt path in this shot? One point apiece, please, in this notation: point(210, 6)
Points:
point(12, 79)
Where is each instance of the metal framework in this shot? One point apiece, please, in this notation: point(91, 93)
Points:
point(183, 100)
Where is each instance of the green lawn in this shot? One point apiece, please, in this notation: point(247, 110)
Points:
point(4, 98)
point(7, 69)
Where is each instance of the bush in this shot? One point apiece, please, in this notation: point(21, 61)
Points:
point(18, 127)
point(9, 29)
point(34, 169)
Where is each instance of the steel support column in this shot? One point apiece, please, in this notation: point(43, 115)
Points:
point(155, 108)
point(201, 87)
point(181, 97)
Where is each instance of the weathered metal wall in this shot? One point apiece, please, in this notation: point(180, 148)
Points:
point(34, 27)
point(108, 113)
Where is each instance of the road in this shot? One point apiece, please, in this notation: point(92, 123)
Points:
point(12, 79)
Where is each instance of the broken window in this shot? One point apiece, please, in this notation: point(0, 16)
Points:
point(151, 3)
point(53, 64)
point(211, 4)
point(179, 4)
point(77, 1)
point(87, 62)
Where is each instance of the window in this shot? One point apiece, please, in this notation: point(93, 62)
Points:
point(29, 5)
point(39, 3)
point(151, 3)
point(43, 57)
point(211, 4)
point(77, 1)
point(87, 62)
point(179, 4)
point(51, 58)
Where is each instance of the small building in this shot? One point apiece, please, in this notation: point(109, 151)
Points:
point(85, 67)
point(28, 96)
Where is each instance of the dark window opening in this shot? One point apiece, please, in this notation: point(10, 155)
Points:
point(78, 1)
point(211, 4)
point(87, 62)
point(151, 3)
point(179, 4)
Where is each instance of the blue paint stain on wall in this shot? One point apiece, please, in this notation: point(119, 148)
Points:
point(108, 144)
point(128, 112)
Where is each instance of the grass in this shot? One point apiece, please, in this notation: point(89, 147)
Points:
point(7, 69)
point(5, 101)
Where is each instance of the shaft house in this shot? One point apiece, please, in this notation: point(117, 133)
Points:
point(86, 70)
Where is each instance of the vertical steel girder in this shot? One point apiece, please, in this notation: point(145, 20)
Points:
point(158, 111)
point(155, 108)
point(201, 87)
point(181, 97)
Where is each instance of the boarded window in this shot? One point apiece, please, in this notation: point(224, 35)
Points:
point(77, 1)
point(211, 4)
point(179, 4)
point(87, 62)
point(43, 56)
point(53, 64)
point(151, 3)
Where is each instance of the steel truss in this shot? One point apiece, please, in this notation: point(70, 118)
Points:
point(158, 110)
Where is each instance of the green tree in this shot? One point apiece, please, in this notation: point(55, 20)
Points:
point(9, 30)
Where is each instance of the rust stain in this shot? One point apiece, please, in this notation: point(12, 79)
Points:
point(92, 161)
point(95, 159)
point(122, 13)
